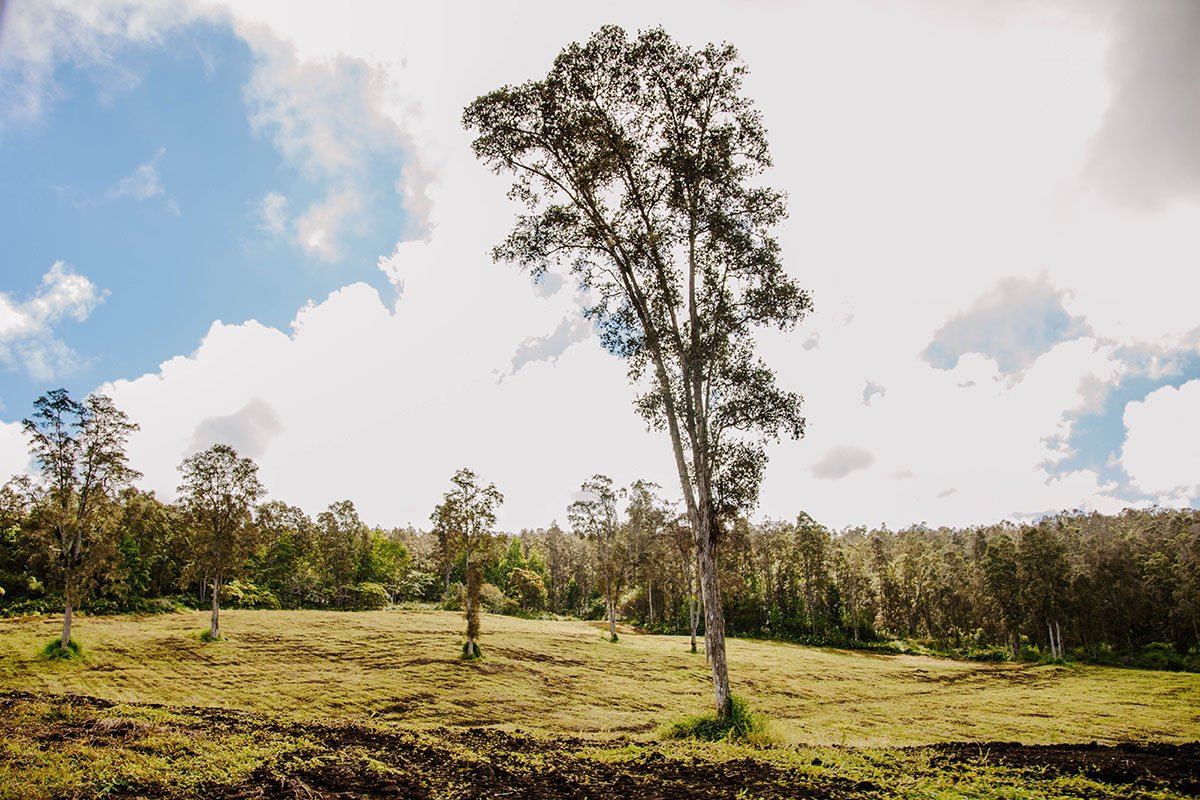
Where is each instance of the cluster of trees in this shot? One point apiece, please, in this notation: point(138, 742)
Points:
point(1093, 586)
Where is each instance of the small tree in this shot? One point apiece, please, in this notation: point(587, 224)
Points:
point(218, 493)
point(468, 512)
point(80, 450)
point(594, 517)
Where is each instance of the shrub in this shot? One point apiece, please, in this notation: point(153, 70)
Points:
point(456, 598)
point(244, 594)
point(740, 725)
point(366, 596)
point(55, 650)
point(992, 653)
point(527, 588)
point(496, 601)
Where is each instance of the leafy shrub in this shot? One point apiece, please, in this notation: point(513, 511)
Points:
point(740, 725)
point(244, 594)
point(366, 596)
point(456, 598)
point(1160, 655)
point(496, 601)
point(527, 588)
point(55, 650)
point(993, 653)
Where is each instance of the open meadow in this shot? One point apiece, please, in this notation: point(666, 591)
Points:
point(296, 702)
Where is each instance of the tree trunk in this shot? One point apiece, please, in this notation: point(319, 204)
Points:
point(1058, 635)
point(469, 607)
point(214, 628)
point(67, 609)
point(650, 599)
point(612, 614)
point(693, 611)
point(714, 619)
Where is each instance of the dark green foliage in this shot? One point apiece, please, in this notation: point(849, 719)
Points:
point(55, 650)
point(366, 596)
point(739, 724)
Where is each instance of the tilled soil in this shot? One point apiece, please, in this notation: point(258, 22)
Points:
point(1150, 765)
point(361, 762)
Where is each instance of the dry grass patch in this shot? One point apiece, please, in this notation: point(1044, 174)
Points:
point(562, 677)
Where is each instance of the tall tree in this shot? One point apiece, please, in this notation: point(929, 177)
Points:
point(218, 492)
point(80, 450)
point(638, 160)
point(469, 512)
point(343, 540)
point(594, 517)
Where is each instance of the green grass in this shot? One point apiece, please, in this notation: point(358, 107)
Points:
point(560, 677)
point(54, 650)
point(741, 725)
point(362, 704)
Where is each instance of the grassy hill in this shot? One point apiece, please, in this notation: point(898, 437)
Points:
point(268, 696)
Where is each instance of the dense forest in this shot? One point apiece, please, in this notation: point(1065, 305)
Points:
point(1106, 588)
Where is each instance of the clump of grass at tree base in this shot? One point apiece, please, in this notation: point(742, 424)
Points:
point(72, 652)
point(741, 725)
point(471, 652)
point(206, 636)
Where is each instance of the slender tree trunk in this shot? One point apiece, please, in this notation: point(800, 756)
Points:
point(1058, 634)
point(470, 649)
point(714, 620)
point(612, 613)
point(650, 599)
point(214, 628)
point(67, 609)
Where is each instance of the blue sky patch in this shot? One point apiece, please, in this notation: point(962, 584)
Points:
point(146, 177)
point(1014, 323)
point(1097, 438)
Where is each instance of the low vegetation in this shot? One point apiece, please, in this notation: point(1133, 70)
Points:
point(375, 702)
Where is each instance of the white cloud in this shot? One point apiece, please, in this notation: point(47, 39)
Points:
point(248, 430)
point(319, 230)
point(27, 328)
point(572, 330)
point(14, 450)
point(141, 184)
point(930, 155)
point(272, 212)
point(39, 36)
point(1161, 453)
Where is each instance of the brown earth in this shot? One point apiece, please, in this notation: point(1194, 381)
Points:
point(359, 762)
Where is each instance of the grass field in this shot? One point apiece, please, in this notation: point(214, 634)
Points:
point(284, 688)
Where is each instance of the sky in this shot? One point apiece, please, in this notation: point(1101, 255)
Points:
point(261, 223)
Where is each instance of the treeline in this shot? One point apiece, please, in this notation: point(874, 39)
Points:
point(1108, 588)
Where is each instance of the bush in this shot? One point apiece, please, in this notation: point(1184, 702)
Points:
point(239, 594)
point(992, 653)
point(741, 724)
point(496, 601)
point(366, 596)
point(55, 650)
point(527, 588)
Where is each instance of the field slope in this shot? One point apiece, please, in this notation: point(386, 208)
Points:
point(291, 698)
